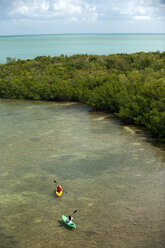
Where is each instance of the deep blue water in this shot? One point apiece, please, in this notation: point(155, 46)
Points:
point(31, 46)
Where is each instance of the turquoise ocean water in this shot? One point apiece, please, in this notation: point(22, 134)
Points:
point(31, 46)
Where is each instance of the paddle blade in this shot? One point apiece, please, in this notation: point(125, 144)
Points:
point(74, 212)
point(54, 181)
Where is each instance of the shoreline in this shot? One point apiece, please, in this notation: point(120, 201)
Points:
point(129, 86)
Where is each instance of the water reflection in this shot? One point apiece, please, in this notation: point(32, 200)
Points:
point(109, 173)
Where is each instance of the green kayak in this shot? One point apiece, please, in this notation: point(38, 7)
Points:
point(64, 219)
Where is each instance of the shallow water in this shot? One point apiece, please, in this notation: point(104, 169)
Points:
point(110, 174)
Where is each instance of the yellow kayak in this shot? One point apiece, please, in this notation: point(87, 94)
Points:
point(58, 194)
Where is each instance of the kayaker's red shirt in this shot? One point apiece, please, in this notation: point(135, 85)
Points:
point(59, 189)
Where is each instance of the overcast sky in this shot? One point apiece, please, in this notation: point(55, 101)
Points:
point(81, 16)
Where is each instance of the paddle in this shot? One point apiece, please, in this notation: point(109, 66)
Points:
point(74, 212)
point(54, 181)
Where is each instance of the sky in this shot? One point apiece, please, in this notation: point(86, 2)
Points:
point(19, 17)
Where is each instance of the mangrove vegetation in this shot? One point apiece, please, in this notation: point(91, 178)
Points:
point(132, 86)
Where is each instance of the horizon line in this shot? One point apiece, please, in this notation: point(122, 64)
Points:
point(44, 34)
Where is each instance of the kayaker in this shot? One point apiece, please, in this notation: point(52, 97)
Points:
point(69, 220)
point(59, 188)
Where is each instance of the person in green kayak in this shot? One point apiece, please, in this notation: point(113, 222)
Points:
point(69, 220)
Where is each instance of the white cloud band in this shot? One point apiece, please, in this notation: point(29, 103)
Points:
point(48, 9)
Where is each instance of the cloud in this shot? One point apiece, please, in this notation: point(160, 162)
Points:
point(139, 10)
point(142, 17)
point(82, 10)
point(66, 7)
point(52, 9)
point(82, 15)
point(128, 10)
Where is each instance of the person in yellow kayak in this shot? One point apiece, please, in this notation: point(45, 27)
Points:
point(59, 189)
